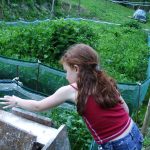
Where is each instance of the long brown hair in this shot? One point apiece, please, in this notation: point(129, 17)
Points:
point(91, 79)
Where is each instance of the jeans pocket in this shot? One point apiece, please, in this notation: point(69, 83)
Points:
point(107, 146)
point(122, 145)
point(132, 146)
point(136, 142)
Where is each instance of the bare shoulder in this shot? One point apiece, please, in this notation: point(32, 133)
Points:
point(68, 92)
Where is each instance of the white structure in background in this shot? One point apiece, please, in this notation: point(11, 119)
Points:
point(140, 15)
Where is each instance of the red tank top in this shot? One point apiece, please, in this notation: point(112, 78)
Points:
point(105, 124)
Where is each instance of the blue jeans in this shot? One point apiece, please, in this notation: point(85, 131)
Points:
point(132, 141)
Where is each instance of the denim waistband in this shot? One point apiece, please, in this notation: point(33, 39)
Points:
point(130, 134)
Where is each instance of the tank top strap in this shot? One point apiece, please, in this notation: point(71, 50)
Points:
point(74, 87)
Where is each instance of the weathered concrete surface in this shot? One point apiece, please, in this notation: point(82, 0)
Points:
point(32, 116)
point(19, 133)
point(42, 132)
point(61, 142)
point(12, 138)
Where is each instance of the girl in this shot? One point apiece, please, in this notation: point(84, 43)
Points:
point(96, 97)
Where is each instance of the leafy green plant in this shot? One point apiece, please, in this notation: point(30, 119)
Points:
point(78, 134)
point(132, 24)
point(123, 50)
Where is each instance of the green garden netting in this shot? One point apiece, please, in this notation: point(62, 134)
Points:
point(134, 93)
point(47, 80)
point(32, 74)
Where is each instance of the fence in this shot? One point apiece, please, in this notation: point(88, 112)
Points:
point(44, 79)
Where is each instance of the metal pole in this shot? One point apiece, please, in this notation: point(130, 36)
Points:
point(79, 8)
point(17, 69)
point(146, 120)
point(52, 9)
point(37, 81)
point(139, 93)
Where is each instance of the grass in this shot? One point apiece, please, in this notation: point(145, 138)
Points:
point(100, 10)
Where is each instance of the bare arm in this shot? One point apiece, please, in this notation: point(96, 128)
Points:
point(61, 95)
point(124, 105)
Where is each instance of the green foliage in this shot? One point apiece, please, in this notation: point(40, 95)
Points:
point(24, 41)
point(123, 49)
point(46, 41)
point(132, 24)
point(66, 33)
point(78, 134)
point(120, 48)
point(41, 9)
point(99, 10)
point(147, 140)
point(26, 10)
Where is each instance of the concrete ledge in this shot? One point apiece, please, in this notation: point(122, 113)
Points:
point(32, 116)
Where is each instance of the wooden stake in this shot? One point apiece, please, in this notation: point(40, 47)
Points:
point(146, 120)
point(52, 9)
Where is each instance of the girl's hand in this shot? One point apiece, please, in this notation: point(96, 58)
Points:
point(9, 101)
